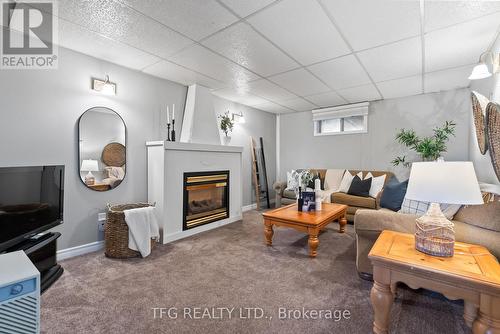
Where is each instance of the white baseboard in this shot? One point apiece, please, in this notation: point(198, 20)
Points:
point(249, 207)
point(79, 250)
point(253, 206)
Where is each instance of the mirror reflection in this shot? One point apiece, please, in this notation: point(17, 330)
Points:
point(102, 157)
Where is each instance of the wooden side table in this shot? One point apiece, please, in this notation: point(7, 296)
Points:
point(472, 274)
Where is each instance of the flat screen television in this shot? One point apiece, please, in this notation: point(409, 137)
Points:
point(31, 201)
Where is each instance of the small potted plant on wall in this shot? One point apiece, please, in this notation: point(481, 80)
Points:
point(226, 125)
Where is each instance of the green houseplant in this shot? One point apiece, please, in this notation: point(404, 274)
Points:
point(429, 148)
point(226, 125)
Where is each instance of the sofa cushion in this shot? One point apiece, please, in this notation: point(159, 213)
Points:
point(379, 220)
point(289, 194)
point(486, 215)
point(375, 173)
point(420, 208)
point(360, 187)
point(393, 194)
point(377, 183)
point(292, 179)
point(347, 180)
point(333, 177)
point(362, 202)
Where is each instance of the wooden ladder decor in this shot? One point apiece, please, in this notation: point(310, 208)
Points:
point(261, 192)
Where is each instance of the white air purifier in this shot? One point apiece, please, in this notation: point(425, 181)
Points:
point(19, 294)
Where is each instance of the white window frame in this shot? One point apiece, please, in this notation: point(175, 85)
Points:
point(340, 112)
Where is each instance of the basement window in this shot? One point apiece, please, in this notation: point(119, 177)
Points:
point(347, 119)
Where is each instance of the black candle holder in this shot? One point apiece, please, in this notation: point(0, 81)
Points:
point(168, 131)
point(300, 200)
point(173, 130)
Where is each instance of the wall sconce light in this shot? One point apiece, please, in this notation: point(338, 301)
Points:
point(104, 86)
point(238, 118)
point(481, 70)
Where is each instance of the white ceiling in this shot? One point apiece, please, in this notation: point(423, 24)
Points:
point(289, 55)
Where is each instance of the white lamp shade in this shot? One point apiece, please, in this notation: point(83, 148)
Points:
point(450, 182)
point(480, 71)
point(89, 166)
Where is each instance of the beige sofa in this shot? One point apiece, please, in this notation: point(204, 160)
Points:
point(354, 203)
point(479, 224)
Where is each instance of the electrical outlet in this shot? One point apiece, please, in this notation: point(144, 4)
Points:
point(101, 221)
point(100, 225)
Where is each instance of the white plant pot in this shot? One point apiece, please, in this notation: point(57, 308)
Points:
point(226, 140)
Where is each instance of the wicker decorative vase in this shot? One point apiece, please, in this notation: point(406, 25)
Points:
point(116, 232)
point(434, 234)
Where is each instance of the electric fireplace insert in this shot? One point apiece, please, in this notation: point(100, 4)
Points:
point(206, 198)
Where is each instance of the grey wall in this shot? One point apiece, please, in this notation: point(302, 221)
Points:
point(375, 149)
point(489, 87)
point(39, 111)
point(257, 124)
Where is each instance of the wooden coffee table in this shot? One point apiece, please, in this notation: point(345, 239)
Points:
point(472, 274)
point(309, 222)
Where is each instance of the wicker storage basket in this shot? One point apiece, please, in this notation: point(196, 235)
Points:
point(116, 232)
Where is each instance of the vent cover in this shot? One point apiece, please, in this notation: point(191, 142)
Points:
point(19, 316)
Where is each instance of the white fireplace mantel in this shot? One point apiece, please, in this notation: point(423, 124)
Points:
point(167, 163)
point(171, 145)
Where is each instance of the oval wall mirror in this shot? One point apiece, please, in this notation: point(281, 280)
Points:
point(102, 149)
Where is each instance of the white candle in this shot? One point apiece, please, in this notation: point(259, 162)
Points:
point(168, 116)
point(317, 184)
point(173, 111)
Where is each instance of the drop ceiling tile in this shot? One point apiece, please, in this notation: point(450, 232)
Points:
point(401, 87)
point(447, 79)
point(245, 7)
point(367, 24)
point(395, 60)
point(194, 18)
point(273, 108)
point(246, 47)
point(302, 29)
point(329, 99)
point(75, 37)
point(239, 96)
point(439, 14)
point(298, 104)
point(268, 90)
point(360, 94)
point(170, 71)
point(460, 44)
point(121, 23)
point(341, 72)
point(204, 61)
point(300, 82)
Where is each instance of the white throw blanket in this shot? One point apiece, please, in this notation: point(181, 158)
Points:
point(326, 195)
point(142, 227)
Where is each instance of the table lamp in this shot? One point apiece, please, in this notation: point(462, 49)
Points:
point(89, 166)
point(437, 182)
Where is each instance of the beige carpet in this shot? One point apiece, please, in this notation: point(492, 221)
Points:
point(232, 267)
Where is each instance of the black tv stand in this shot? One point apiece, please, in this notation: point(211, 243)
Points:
point(50, 276)
point(41, 250)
